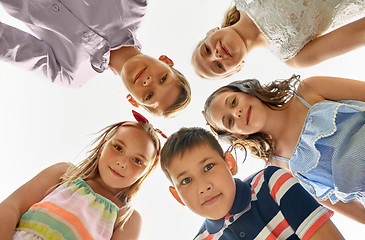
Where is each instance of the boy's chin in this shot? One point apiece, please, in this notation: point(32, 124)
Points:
point(216, 215)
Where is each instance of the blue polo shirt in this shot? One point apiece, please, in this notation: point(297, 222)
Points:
point(271, 204)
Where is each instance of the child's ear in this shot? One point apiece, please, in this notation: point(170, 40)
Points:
point(132, 101)
point(239, 66)
point(212, 30)
point(176, 195)
point(231, 162)
point(166, 60)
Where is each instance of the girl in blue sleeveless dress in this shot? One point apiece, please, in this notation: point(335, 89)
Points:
point(315, 130)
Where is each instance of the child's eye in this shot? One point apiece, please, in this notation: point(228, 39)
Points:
point(234, 102)
point(220, 66)
point(207, 50)
point(149, 96)
point(208, 167)
point(230, 121)
point(138, 161)
point(163, 79)
point(185, 181)
point(118, 148)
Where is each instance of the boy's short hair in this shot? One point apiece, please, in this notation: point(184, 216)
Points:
point(184, 140)
point(183, 99)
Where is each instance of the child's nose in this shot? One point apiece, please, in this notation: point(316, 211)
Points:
point(122, 163)
point(238, 113)
point(205, 188)
point(147, 81)
point(217, 54)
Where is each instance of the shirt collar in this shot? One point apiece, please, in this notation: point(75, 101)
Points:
point(241, 204)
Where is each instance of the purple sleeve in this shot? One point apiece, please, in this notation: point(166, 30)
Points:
point(30, 53)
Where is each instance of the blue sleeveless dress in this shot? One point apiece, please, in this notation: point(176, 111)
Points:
point(329, 158)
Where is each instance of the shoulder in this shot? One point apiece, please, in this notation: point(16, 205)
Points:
point(279, 182)
point(265, 173)
point(310, 89)
point(54, 172)
point(135, 218)
point(60, 167)
point(131, 229)
point(275, 176)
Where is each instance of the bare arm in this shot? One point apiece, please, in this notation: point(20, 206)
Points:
point(13, 207)
point(327, 231)
point(332, 44)
point(320, 88)
point(354, 209)
point(131, 229)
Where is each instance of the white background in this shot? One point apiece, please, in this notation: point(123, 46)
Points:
point(42, 123)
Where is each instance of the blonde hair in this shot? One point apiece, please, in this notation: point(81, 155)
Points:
point(275, 95)
point(231, 17)
point(181, 102)
point(88, 168)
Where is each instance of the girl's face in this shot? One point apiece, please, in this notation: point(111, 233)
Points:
point(125, 158)
point(151, 82)
point(238, 113)
point(220, 54)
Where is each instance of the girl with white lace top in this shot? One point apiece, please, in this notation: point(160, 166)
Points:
point(300, 33)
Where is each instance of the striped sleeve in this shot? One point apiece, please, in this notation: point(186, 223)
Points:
point(303, 213)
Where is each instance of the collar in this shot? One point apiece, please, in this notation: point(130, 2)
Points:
point(241, 204)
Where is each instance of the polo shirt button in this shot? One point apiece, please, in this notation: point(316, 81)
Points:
point(106, 48)
point(85, 34)
point(55, 8)
point(242, 234)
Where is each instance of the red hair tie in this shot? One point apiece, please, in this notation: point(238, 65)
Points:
point(141, 119)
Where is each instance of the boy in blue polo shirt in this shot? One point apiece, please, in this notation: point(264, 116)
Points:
point(271, 204)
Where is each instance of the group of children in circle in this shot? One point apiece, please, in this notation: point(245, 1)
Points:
point(309, 132)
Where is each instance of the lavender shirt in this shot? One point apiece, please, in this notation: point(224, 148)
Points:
point(73, 38)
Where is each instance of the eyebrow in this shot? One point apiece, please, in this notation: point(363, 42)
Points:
point(201, 163)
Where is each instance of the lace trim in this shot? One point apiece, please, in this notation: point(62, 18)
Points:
point(98, 198)
point(332, 191)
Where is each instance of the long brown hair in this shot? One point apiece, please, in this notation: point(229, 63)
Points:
point(274, 95)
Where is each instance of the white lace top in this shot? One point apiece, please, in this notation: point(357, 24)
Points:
point(290, 24)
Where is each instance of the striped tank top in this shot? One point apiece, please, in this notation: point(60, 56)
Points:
point(69, 212)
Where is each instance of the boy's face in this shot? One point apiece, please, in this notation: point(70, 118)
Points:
point(204, 182)
point(151, 82)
